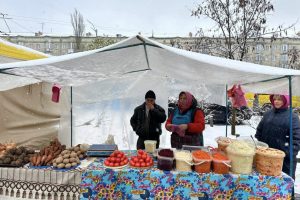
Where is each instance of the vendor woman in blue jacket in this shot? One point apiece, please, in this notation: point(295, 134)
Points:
point(274, 129)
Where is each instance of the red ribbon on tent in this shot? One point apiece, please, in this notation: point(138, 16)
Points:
point(56, 92)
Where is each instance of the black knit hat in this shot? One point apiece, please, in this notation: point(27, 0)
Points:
point(150, 94)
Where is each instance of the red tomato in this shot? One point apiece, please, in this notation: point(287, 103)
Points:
point(106, 162)
point(137, 165)
point(117, 164)
point(148, 164)
point(117, 159)
point(117, 151)
point(112, 159)
point(141, 160)
point(110, 164)
point(143, 164)
point(140, 151)
point(144, 156)
point(112, 155)
point(135, 159)
point(119, 155)
point(132, 163)
point(123, 157)
point(139, 156)
point(148, 159)
point(125, 161)
point(122, 163)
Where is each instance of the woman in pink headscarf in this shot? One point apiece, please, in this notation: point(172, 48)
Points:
point(186, 122)
point(274, 129)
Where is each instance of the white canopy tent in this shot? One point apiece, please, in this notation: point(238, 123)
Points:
point(129, 68)
point(137, 54)
point(27, 114)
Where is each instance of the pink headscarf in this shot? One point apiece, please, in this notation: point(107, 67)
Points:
point(285, 99)
point(189, 101)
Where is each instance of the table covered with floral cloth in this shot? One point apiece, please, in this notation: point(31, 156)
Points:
point(99, 182)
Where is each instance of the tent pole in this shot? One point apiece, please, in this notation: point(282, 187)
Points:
point(71, 116)
point(226, 100)
point(291, 125)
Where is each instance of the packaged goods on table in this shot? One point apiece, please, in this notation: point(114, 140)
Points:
point(183, 160)
point(202, 161)
point(241, 156)
point(221, 163)
point(165, 159)
point(269, 161)
point(223, 142)
point(150, 145)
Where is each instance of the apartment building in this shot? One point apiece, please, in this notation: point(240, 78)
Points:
point(262, 51)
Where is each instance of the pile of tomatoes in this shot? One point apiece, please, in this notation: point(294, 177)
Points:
point(142, 159)
point(116, 159)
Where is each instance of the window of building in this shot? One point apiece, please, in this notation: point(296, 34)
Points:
point(267, 47)
point(258, 57)
point(284, 58)
point(273, 58)
point(259, 48)
point(284, 48)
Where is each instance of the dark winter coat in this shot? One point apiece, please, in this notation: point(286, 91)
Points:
point(138, 121)
point(274, 129)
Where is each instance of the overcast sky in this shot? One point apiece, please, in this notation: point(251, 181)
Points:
point(126, 17)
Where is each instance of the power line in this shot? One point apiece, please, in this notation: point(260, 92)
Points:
point(5, 20)
point(22, 26)
point(41, 19)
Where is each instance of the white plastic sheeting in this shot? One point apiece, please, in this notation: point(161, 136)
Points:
point(137, 54)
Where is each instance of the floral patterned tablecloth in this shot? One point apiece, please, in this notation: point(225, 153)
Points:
point(99, 182)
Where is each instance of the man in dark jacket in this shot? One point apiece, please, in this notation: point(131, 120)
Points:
point(146, 120)
point(274, 129)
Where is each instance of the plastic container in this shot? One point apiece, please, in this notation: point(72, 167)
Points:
point(269, 161)
point(221, 163)
point(165, 159)
point(241, 156)
point(183, 160)
point(254, 143)
point(202, 161)
point(150, 145)
point(223, 142)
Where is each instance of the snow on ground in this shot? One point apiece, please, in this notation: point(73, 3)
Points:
point(94, 123)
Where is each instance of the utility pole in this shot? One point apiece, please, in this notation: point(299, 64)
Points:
point(4, 18)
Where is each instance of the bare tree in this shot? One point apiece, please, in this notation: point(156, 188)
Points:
point(238, 23)
point(294, 58)
point(78, 27)
point(93, 28)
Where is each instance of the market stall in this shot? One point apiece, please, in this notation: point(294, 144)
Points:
point(101, 182)
point(53, 172)
point(163, 66)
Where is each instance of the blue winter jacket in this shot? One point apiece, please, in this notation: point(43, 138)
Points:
point(274, 129)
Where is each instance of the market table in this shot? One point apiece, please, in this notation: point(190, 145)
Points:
point(99, 182)
point(41, 183)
